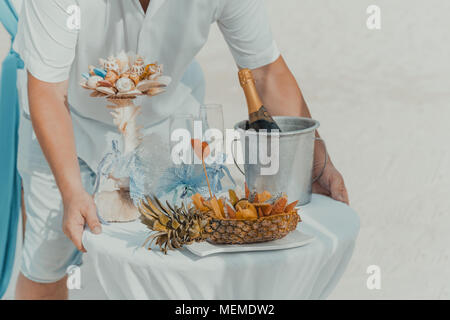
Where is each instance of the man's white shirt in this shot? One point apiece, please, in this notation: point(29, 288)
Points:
point(172, 32)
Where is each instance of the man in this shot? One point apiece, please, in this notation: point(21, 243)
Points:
point(74, 132)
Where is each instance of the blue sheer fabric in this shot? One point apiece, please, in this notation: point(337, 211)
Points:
point(10, 186)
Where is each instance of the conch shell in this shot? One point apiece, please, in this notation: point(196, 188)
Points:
point(91, 70)
point(123, 62)
point(112, 76)
point(138, 67)
point(135, 77)
point(111, 65)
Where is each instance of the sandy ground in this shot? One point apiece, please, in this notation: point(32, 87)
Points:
point(383, 100)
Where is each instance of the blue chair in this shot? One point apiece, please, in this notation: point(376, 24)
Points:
point(10, 182)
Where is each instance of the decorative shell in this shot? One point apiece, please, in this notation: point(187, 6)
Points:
point(91, 70)
point(155, 91)
point(111, 65)
point(124, 85)
point(129, 95)
point(138, 67)
point(105, 83)
point(136, 78)
point(106, 90)
point(93, 81)
point(123, 62)
point(100, 72)
point(112, 76)
point(164, 80)
point(146, 85)
point(97, 94)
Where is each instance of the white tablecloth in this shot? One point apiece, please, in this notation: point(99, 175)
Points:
point(127, 271)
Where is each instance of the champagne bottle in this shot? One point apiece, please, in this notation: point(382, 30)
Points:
point(259, 117)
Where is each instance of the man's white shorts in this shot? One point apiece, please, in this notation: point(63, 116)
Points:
point(47, 252)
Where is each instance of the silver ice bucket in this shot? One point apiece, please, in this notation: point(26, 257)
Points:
point(294, 150)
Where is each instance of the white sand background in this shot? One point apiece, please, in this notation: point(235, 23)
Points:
point(383, 100)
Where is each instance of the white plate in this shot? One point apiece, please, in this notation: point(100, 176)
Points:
point(293, 240)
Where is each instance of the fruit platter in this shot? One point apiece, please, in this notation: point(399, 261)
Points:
point(255, 218)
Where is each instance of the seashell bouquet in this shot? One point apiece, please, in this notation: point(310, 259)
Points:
point(121, 79)
point(125, 76)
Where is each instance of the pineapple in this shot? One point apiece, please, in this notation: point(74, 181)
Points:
point(218, 222)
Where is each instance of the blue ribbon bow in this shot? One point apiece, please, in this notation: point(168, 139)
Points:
point(123, 167)
point(184, 181)
point(10, 187)
point(216, 172)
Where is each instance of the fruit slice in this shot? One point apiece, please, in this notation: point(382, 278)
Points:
point(290, 207)
point(267, 210)
point(249, 214)
point(260, 213)
point(216, 208)
point(233, 197)
point(279, 206)
point(231, 211)
point(247, 191)
point(263, 197)
point(198, 200)
point(253, 210)
point(222, 206)
point(239, 215)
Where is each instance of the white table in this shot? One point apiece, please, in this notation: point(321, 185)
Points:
point(127, 271)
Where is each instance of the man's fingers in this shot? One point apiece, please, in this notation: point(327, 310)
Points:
point(338, 189)
point(92, 219)
point(74, 231)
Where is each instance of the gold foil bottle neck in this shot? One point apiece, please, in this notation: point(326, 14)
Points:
point(246, 76)
point(248, 83)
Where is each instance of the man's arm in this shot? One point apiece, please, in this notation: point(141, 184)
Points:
point(282, 96)
point(53, 126)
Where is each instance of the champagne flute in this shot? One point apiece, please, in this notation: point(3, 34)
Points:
point(181, 130)
point(211, 116)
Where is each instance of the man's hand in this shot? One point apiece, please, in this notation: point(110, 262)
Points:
point(79, 209)
point(332, 184)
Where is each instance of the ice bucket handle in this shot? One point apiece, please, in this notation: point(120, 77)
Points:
point(325, 162)
point(234, 157)
point(313, 181)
